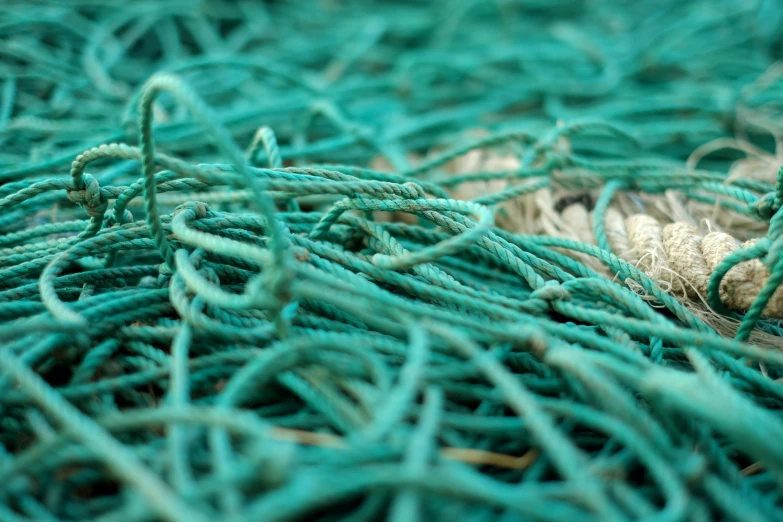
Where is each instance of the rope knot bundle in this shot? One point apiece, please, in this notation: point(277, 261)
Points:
point(88, 196)
point(194, 209)
point(766, 207)
point(551, 291)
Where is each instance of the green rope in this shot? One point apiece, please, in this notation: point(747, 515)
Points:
point(236, 283)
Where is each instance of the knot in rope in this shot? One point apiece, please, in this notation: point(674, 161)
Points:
point(198, 208)
point(89, 197)
point(765, 207)
point(551, 291)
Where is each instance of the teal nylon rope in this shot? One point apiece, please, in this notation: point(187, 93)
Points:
point(234, 284)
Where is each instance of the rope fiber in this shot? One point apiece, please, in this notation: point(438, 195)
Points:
point(347, 260)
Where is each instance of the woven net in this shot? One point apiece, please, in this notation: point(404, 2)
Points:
point(345, 260)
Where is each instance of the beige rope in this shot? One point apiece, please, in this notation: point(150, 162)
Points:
point(692, 257)
point(647, 253)
point(616, 233)
point(675, 255)
point(638, 239)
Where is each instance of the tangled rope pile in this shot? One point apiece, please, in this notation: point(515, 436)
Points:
point(271, 287)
